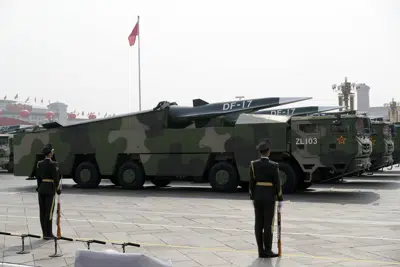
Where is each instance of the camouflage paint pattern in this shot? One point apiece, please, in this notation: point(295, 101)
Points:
point(165, 151)
point(396, 141)
point(5, 150)
point(339, 149)
point(382, 145)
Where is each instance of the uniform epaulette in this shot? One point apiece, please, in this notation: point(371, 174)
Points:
point(274, 162)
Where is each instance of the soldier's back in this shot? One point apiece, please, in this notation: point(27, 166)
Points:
point(265, 172)
point(46, 173)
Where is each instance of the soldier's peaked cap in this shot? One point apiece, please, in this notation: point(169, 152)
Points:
point(47, 149)
point(264, 145)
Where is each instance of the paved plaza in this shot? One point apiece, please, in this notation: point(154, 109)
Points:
point(355, 223)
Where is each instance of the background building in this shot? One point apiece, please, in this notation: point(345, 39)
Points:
point(13, 112)
point(363, 103)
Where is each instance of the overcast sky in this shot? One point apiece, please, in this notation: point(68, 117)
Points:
point(77, 51)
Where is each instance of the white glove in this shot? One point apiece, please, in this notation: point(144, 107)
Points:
point(280, 204)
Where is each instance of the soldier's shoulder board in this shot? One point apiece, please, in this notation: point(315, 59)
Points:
point(274, 163)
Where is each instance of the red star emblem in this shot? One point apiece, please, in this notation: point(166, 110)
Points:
point(372, 140)
point(341, 140)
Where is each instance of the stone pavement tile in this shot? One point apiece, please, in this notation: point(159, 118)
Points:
point(188, 263)
point(393, 255)
point(362, 264)
point(338, 245)
point(167, 254)
point(116, 236)
point(237, 258)
point(126, 226)
point(316, 260)
point(153, 227)
point(376, 242)
point(214, 232)
point(138, 231)
point(51, 262)
point(18, 258)
point(314, 250)
point(97, 224)
point(70, 247)
point(115, 217)
point(240, 245)
point(156, 218)
point(70, 261)
point(359, 254)
point(204, 258)
point(182, 221)
point(379, 248)
point(307, 242)
point(145, 238)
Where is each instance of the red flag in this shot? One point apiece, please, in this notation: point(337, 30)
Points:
point(134, 33)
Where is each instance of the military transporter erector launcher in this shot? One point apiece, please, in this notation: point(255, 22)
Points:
point(396, 139)
point(382, 144)
point(215, 142)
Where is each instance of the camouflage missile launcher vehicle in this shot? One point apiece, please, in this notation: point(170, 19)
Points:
point(215, 142)
point(396, 140)
point(382, 144)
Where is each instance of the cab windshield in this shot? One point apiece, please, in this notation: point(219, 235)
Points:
point(387, 132)
point(3, 140)
point(363, 126)
point(393, 130)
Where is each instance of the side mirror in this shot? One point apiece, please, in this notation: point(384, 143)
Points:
point(373, 132)
point(337, 122)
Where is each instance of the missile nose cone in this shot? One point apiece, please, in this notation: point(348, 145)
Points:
point(288, 100)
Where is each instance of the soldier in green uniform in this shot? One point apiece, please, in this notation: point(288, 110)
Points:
point(264, 189)
point(48, 184)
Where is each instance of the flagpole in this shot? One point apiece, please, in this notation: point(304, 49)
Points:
point(140, 89)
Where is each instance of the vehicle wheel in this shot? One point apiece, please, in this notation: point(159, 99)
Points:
point(224, 177)
point(87, 175)
point(10, 167)
point(304, 185)
point(289, 181)
point(161, 182)
point(244, 185)
point(131, 176)
point(115, 181)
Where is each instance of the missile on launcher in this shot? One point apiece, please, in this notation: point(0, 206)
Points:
point(298, 111)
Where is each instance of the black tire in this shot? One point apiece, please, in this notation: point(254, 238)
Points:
point(223, 171)
point(10, 167)
point(244, 185)
point(161, 182)
point(87, 175)
point(131, 168)
point(289, 183)
point(304, 185)
point(115, 181)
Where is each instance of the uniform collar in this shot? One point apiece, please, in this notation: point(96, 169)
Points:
point(265, 157)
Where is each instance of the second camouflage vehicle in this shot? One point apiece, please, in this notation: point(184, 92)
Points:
point(382, 144)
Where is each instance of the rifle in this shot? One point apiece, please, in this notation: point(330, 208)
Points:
point(59, 213)
point(279, 233)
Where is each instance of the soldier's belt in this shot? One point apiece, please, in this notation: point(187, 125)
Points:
point(48, 180)
point(264, 184)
